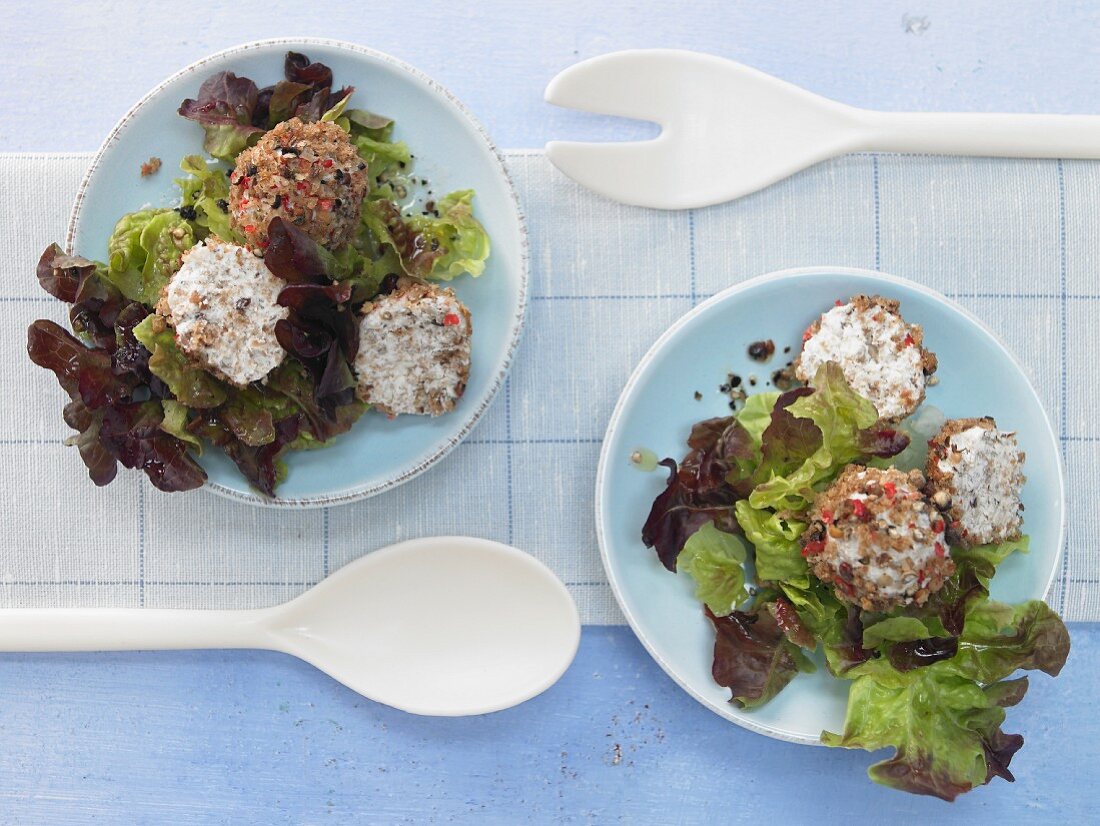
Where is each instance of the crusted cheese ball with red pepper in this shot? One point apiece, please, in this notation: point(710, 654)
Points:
point(308, 173)
point(879, 353)
point(975, 473)
point(223, 304)
point(877, 540)
point(414, 350)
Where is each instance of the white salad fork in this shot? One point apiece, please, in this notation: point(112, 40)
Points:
point(728, 130)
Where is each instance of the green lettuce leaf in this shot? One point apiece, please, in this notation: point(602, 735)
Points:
point(190, 384)
point(174, 423)
point(144, 251)
point(714, 559)
point(206, 190)
point(894, 629)
point(756, 414)
point(840, 415)
point(458, 232)
point(944, 719)
point(778, 553)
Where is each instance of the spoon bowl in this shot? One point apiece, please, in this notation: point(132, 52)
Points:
point(443, 626)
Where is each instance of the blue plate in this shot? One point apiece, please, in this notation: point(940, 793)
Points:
point(977, 377)
point(452, 151)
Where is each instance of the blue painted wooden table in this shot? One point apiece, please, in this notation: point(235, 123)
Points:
point(256, 737)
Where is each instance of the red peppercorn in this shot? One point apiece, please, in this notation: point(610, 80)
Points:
point(806, 336)
point(302, 186)
point(909, 340)
point(325, 203)
point(326, 163)
point(827, 517)
point(244, 202)
point(451, 319)
point(938, 526)
point(242, 182)
point(839, 303)
point(264, 244)
point(859, 509)
point(890, 488)
point(939, 549)
point(815, 547)
point(249, 228)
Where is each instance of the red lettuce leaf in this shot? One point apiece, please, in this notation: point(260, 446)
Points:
point(752, 656)
point(882, 442)
point(85, 373)
point(75, 280)
point(789, 439)
point(698, 491)
point(295, 257)
point(132, 433)
point(224, 108)
point(97, 457)
point(260, 464)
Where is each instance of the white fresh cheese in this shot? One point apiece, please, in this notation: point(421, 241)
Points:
point(223, 305)
point(987, 479)
point(872, 355)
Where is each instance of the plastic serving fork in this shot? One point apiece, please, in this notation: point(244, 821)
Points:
point(728, 130)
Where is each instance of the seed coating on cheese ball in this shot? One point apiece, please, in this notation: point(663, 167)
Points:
point(308, 173)
point(877, 540)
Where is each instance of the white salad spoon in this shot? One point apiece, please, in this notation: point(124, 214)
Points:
point(444, 626)
point(728, 130)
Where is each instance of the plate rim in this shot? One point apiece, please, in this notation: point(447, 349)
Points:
point(523, 274)
point(683, 322)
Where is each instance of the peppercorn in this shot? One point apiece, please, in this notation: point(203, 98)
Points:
point(187, 213)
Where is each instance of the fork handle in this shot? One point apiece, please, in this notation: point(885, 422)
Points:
point(989, 135)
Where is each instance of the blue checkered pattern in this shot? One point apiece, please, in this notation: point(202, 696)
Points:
point(1013, 241)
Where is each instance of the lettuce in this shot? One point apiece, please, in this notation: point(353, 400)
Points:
point(714, 559)
point(429, 247)
point(224, 109)
point(776, 540)
point(944, 718)
point(206, 191)
point(190, 384)
point(813, 434)
point(753, 656)
point(145, 250)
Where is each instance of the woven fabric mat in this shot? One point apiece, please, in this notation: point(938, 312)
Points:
point(1014, 241)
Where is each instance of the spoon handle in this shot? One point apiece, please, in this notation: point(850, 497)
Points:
point(128, 629)
point(980, 134)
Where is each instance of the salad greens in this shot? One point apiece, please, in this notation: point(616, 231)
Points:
point(138, 399)
point(932, 681)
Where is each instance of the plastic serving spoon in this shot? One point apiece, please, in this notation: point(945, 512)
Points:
point(444, 626)
point(728, 130)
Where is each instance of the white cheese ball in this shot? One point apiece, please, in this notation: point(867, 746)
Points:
point(223, 305)
point(878, 352)
point(414, 350)
point(976, 474)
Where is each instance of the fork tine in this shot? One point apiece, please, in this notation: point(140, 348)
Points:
point(636, 172)
point(631, 84)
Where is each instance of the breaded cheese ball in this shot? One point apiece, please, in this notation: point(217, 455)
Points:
point(975, 473)
point(414, 350)
point(879, 353)
point(308, 173)
point(223, 305)
point(877, 540)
